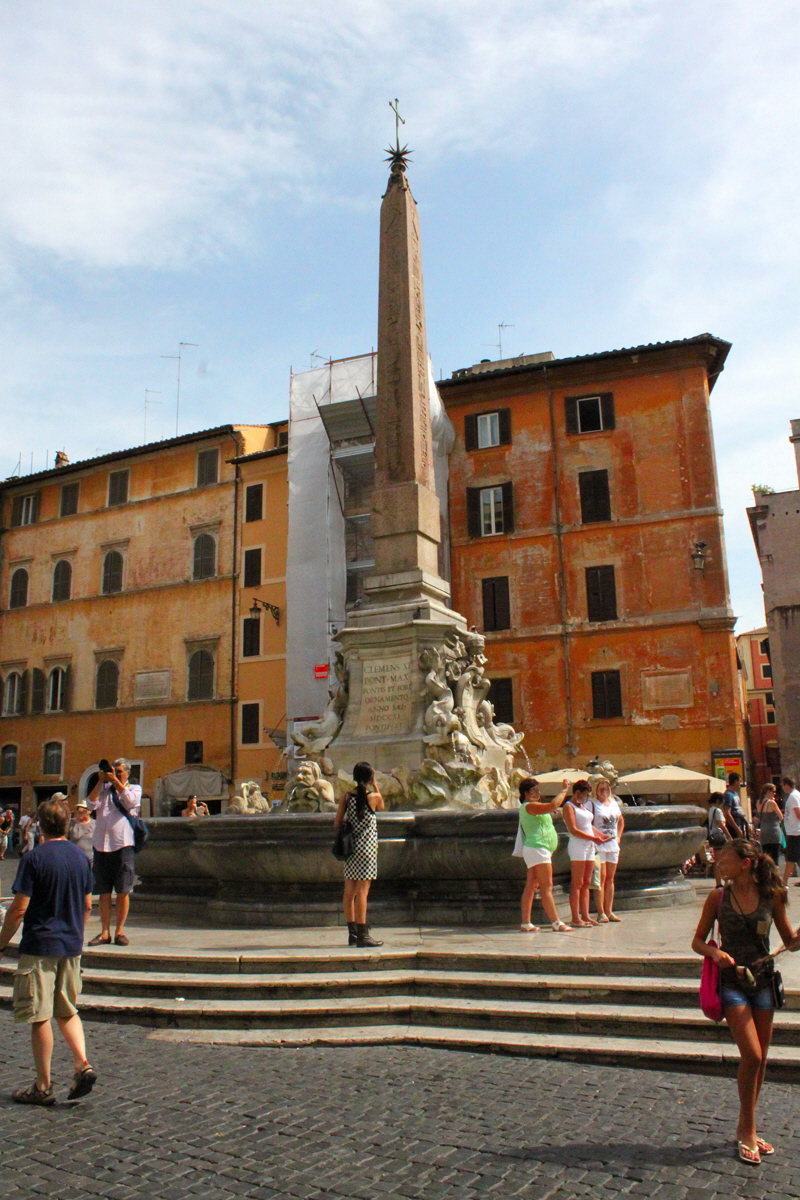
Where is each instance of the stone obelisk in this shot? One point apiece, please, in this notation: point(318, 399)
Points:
point(406, 613)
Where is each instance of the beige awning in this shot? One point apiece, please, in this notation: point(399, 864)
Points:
point(669, 780)
point(551, 782)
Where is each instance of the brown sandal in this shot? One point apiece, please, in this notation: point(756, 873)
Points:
point(121, 940)
point(85, 1079)
point(34, 1095)
point(100, 941)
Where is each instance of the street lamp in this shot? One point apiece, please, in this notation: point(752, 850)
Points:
point(699, 556)
point(270, 608)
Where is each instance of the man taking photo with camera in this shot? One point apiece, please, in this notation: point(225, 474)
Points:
point(113, 800)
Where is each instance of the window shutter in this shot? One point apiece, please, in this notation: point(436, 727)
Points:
point(488, 605)
point(37, 691)
point(613, 694)
point(508, 507)
point(22, 702)
point(16, 510)
point(598, 694)
point(251, 637)
point(501, 696)
point(571, 413)
point(474, 512)
point(502, 605)
point(504, 421)
point(66, 701)
point(471, 431)
point(254, 502)
point(607, 409)
point(252, 568)
point(609, 593)
point(35, 507)
point(595, 499)
point(250, 724)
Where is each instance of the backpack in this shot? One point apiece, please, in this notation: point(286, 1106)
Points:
point(140, 831)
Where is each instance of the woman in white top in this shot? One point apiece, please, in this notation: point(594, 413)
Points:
point(607, 819)
point(582, 847)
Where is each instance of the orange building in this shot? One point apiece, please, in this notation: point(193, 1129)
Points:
point(120, 626)
point(587, 543)
point(761, 731)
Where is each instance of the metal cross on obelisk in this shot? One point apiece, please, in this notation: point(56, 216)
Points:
point(398, 120)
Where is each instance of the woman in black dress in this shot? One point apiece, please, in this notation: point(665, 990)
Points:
point(359, 808)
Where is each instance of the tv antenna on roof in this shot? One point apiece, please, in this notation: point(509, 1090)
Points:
point(177, 357)
point(499, 342)
point(147, 393)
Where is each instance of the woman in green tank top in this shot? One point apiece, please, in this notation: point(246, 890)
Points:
point(539, 841)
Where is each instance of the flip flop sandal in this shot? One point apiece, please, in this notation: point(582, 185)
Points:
point(34, 1095)
point(121, 940)
point(529, 928)
point(614, 917)
point(560, 927)
point(602, 920)
point(749, 1155)
point(764, 1147)
point(100, 941)
point(85, 1079)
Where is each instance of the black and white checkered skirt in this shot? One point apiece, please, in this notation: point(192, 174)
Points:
point(363, 864)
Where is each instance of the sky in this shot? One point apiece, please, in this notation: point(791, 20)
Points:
point(592, 173)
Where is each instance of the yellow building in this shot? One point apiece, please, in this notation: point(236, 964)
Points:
point(120, 626)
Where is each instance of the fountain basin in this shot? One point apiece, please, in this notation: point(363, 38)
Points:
point(434, 867)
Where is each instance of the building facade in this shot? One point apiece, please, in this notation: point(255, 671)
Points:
point(775, 525)
point(761, 729)
point(119, 627)
point(587, 544)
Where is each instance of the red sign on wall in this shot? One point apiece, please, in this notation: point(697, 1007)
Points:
point(321, 671)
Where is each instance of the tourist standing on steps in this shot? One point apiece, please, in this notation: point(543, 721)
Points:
point(359, 808)
point(81, 830)
point(112, 861)
point(539, 842)
point(607, 819)
point(52, 899)
point(6, 830)
point(582, 847)
point(770, 819)
point(753, 897)
point(791, 826)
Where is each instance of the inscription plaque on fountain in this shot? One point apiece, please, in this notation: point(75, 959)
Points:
point(387, 696)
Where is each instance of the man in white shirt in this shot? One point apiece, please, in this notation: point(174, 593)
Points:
point(112, 858)
point(791, 826)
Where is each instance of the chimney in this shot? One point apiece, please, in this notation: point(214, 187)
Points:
point(61, 458)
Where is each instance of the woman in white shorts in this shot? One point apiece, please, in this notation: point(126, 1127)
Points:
point(582, 847)
point(539, 841)
point(607, 819)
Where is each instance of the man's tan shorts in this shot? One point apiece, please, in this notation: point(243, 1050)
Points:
point(46, 987)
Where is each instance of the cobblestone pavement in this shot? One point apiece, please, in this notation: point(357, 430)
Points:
point(168, 1122)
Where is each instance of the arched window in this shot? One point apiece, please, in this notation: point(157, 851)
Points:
point(205, 556)
point(112, 573)
point(8, 760)
point(201, 676)
point(62, 580)
point(19, 589)
point(107, 684)
point(51, 764)
point(57, 690)
point(14, 697)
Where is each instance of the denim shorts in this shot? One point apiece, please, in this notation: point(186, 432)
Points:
point(761, 1000)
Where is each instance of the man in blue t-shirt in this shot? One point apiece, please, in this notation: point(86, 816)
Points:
point(52, 899)
point(735, 817)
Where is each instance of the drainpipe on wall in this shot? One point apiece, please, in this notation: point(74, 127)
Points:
point(234, 586)
point(562, 578)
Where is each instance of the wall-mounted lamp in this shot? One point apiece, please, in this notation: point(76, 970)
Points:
point(270, 608)
point(699, 556)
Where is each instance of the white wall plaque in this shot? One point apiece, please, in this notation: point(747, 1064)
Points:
point(667, 689)
point(153, 685)
point(388, 689)
point(151, 731)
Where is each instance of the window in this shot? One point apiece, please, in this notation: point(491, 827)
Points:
point(601, 594)
point(589, 414)
point(496, 607)
point(254, 502)
point(194, 753)
point(201, 676)
point(38, 690)
point(250, 724)
point(207, 467)
point(51, 764)
point(595, 498)
point(769, 698)
point(606, 694)
point(252, 568)
point(764, 647)
point(112, 573)
point(57, 689)
point(771, 717)
point(490, 510)
point(15, 699)
point(117, 488)
point(19, 589)
point(484, 430)
point(205, 557)
point(62, 580)
point(283, 437)
point(251, 637)
point(107, 684)
point(69, 499)
point(25, 509)
point(766, 670)
point(502, 697)
point(8, 760)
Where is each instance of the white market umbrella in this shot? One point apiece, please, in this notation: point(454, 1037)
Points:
point(668, 780)
point(551, 782)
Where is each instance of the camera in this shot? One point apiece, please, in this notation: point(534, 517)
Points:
point(105, 765)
